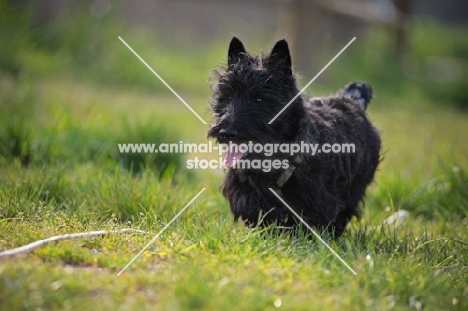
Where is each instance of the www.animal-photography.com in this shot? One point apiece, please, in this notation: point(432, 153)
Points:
point(233, 155)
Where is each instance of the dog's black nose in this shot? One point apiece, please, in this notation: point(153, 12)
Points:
point(228, 133)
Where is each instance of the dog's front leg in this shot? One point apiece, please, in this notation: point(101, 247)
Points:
point(252, 205)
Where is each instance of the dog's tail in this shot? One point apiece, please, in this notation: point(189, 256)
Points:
point(361, 92)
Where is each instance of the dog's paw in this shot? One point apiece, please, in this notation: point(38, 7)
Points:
point(361, 92)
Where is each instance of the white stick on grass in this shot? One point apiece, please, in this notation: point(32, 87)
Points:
point(73, 236)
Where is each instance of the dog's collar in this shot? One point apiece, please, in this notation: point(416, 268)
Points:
point(287, 173)
point(284, 177)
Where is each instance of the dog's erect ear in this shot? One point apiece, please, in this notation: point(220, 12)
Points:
point(236, 49)
point(280, 53)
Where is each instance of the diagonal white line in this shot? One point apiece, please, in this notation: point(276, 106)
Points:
point(313, 231)
point(162, 230)
point(313, 79)
point(162, 80)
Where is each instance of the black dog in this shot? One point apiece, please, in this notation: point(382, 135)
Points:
point(325, 188)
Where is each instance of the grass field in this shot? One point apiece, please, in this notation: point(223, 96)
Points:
point(60, 172)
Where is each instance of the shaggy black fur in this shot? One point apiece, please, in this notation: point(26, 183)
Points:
point(326, 188)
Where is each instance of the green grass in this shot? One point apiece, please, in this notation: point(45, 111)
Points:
point(204, 260)
point(60, 172)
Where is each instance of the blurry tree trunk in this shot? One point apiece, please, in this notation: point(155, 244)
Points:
point(404, 10)
point(318, 28)
point(316, 32)
point(302, 23)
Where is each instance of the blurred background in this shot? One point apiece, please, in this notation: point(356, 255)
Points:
point(70, 90)
point(399, 42)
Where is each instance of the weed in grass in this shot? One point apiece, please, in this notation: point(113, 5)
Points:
point(17, 106)
point(442, 197)
point(156, 133)
point(446, 196)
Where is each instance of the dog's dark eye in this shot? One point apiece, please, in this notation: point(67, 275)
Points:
point(258, 100)
point(225, 99)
